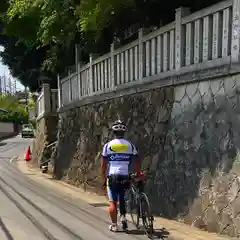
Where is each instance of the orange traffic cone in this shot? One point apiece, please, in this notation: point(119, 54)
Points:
point(28, 154)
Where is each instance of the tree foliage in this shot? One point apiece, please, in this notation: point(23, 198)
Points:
point(16, 112)
point(39, 35)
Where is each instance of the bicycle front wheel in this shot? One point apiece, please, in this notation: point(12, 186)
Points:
point(133, 207)
point(146, 214)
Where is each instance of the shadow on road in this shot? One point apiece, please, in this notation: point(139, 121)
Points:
point(3, 144)
point(5, 230)
point(159, 233)
point(99, 204)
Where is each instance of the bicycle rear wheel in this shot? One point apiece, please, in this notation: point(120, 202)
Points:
point(146, 214)
point(133, 207)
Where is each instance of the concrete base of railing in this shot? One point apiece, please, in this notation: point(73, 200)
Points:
point(45, 115)
point(197, 72)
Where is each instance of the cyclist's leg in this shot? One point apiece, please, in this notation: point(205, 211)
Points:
point(112, 196)
point(121, 194)
point(122, 205)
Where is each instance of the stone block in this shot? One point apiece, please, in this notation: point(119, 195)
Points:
point(226, 218)
point(234, 190)
point(235, 205)
point(212, 219)
point(205, 201)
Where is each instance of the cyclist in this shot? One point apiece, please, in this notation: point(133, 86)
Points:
point(116, 156)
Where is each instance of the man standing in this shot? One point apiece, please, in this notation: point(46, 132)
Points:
point(116, 157)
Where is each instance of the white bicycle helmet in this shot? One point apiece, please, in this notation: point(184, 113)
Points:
point(119, 126)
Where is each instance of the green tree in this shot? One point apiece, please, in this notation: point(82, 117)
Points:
point(16, 112)
point(39, 35)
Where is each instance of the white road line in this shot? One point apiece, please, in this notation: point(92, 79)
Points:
point(13, 159)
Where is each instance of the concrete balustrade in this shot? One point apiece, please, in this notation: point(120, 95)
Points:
point(207, 36)
point(47, 102)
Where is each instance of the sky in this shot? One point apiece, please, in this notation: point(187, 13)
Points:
point(5, 71)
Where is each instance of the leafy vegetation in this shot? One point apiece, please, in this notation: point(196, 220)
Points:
point(39, 35)
point(16, 112)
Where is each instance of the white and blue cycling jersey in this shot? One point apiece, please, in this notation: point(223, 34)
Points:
point(119, 153)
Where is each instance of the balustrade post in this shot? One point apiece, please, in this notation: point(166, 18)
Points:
point(70, 85)
point(180, 13)
point(91, 75)
point(78, 67)
point(140, 54)
point(235, 31)
point(94, 84)
point(112, 81)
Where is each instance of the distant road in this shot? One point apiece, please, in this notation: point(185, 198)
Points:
point(30, 210)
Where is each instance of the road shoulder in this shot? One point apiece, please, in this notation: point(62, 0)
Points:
point(177, 230)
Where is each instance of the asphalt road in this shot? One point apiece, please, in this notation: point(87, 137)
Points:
point(31, 210)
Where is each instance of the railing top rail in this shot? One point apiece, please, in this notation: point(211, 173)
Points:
point(64, 79)
point(54, 90)
point(159, 31)
point(207, 11)
point(126, 47)
point(84, 67)
point(101, 58)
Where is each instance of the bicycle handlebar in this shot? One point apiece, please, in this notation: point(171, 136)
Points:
point(136, 174)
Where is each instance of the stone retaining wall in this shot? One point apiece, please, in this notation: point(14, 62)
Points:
point(188, 137)
point(46, 133)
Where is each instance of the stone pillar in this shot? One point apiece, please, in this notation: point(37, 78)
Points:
point(235, 31)
point(47, 96)
point(180, 13)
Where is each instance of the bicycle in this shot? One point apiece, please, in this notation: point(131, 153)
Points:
point(138, 204)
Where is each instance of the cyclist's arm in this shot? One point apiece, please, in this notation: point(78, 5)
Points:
point(104, 168)
point(136, 160)
point(104, 163)
point(138, 164)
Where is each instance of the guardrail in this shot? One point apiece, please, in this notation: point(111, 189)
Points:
point(205, 36)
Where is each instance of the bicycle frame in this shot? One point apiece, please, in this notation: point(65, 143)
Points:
point(137, 190)
point(137, 195)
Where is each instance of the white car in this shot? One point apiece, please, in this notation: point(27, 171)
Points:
point(27, 130)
